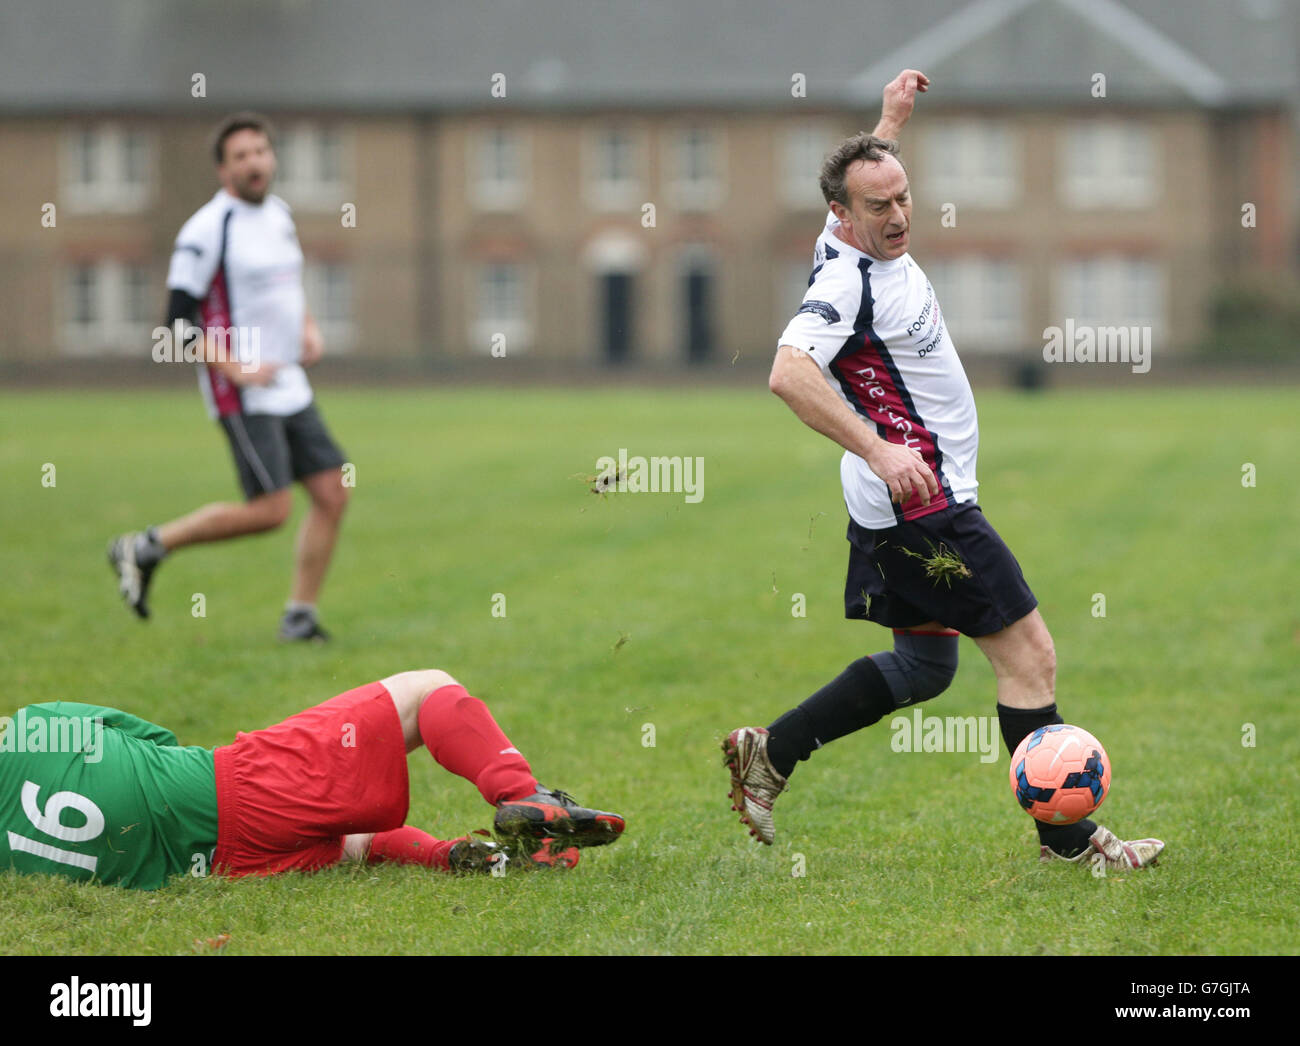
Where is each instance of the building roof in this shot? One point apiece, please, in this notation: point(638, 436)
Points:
point(410, 55)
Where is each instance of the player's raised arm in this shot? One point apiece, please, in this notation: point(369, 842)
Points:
point(797, 379)
point(899, 98)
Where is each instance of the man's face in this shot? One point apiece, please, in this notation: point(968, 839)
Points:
point(879, 216)
point(247, 165)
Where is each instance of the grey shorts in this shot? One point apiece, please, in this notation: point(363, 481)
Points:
point(273, 451)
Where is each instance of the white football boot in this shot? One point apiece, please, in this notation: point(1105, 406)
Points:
point(132, 576)
point(754, 783)
point(1118, 854)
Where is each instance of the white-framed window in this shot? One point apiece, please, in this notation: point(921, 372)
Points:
point(1110, 290)
point(1108, 163)
point(327, 286)
point(615, 164)
point(312, 165)
point(698, 175)
point(981, 300)
point(107, 168)
point(110, 306)
point(498, 169)
point(803, 147)
point(972, 162)
point(503, 307)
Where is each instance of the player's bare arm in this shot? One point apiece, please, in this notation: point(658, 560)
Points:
point(241, 374)
point(798, 380)
point(899, 98)
point(313, 345)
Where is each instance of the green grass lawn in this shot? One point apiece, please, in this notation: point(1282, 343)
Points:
point(639, 617)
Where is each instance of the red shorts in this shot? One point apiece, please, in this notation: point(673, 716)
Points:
point(287, 795)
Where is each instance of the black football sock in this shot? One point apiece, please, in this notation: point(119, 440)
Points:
point(1019, 723)
point(149, 549)
point(857, 697)
point(1068, 840)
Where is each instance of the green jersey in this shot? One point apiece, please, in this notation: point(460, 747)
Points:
point(94, 793)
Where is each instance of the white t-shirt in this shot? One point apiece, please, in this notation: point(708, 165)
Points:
point(876, 330)
point(243, 262)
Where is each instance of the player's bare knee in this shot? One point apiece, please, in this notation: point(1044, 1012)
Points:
point(436, 679)
point(1047, 664)
point(272, 510)
point(329, 495)
point(341, 498)
point(1041, 661)
point(280, 513)
point(1037, 639)
point(409, 689)
point(333, 500)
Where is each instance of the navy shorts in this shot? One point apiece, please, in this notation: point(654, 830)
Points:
point(272, 451)
point(891, 580)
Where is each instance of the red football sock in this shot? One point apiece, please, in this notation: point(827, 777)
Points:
point(409, 845)
point(462, 736)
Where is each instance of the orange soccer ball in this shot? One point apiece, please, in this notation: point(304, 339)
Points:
point(1060, 774)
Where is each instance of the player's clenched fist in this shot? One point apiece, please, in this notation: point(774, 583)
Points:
point(903, 470)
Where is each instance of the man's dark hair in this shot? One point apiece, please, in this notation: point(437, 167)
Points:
point(239, 122)
point(862, 146)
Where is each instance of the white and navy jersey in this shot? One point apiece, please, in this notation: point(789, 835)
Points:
point(876, 330)
point(242, 261)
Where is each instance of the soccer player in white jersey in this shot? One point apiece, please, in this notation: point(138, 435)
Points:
point(237, 269)
point(868, 362)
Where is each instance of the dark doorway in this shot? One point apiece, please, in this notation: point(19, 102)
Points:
point(616, 310)
point(699, 311)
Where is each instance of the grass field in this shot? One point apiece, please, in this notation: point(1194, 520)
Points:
point(640, 609)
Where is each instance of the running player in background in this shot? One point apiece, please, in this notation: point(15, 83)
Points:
point(237, 269)
point(867, 362)
point(93, 793)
